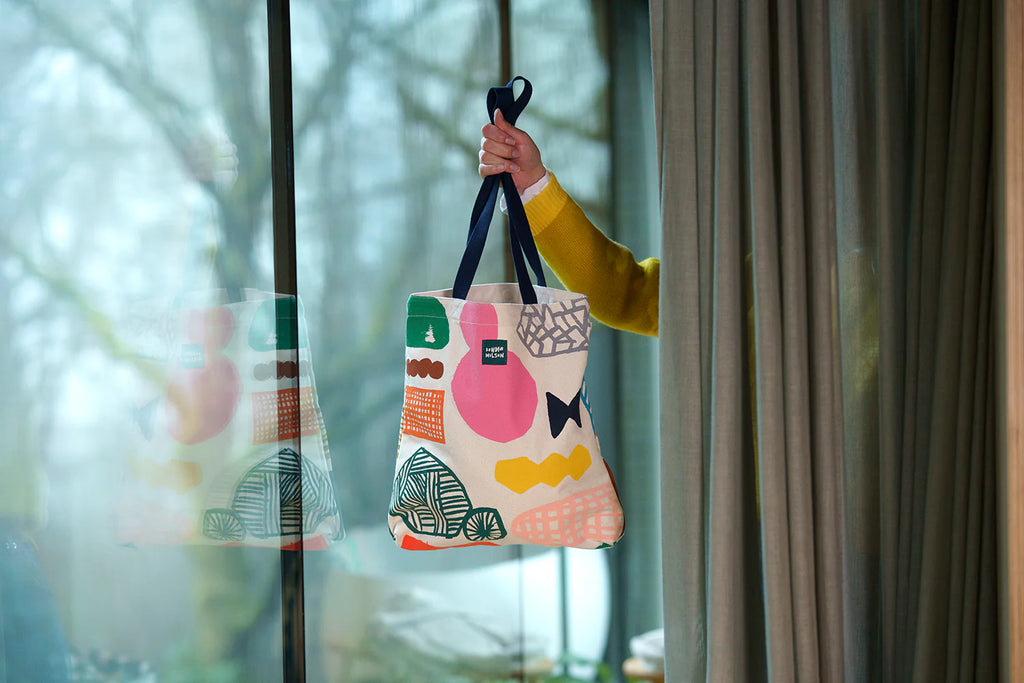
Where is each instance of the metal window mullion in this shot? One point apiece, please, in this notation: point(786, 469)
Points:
point(282, 166)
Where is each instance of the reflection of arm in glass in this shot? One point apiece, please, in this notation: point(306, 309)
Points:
point(623, 293)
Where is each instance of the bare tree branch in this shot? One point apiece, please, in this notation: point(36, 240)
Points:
point(168, 113)
point(331, 79)
point(63, 288)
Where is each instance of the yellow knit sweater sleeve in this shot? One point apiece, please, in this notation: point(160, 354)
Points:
point(622, 292)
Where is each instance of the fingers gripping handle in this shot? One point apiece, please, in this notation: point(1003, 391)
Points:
point(520, 238)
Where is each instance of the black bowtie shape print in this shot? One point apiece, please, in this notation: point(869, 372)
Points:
point(559, 413)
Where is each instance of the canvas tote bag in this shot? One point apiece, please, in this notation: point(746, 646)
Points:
point(230, 445)
point(497, 443)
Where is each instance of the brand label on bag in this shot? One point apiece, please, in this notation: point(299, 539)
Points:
point(192, 356)
point(495, 352)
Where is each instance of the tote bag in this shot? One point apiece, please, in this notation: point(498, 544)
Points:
point(230, 445)
point(497, 442)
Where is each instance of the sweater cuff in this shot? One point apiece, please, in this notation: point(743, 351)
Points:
point(527, 194)
point(545, 207)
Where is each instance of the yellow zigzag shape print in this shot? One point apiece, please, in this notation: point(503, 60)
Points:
point(522, 474)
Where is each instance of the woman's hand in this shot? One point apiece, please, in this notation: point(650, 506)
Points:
point(506, 148)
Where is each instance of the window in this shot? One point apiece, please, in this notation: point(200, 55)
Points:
point(137, 187)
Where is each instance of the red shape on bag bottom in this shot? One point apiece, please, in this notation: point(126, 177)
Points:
point(411, 543)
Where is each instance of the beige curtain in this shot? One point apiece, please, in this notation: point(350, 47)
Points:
point(827, 456)
point(752, 518)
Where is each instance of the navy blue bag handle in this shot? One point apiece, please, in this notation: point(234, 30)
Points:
point(520, 238)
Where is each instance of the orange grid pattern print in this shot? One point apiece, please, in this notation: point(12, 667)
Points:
point(282, 415)
point(423, 414)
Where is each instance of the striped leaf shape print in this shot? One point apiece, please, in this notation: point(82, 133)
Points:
point(429, 497)
point(284, 496)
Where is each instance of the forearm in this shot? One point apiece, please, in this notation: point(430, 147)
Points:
point(622, 292)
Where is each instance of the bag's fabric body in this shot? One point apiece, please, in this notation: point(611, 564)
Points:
point(497, 441)
point(228, 402)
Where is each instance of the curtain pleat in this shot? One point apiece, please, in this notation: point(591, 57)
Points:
point(825, 399)
point(728, 590)
point(887, 186)
point(781, 447)
point(929, 164)
point(683, 477)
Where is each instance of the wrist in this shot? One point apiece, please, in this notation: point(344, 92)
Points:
point(528, 178)
point(528, 192)
point(536, 187)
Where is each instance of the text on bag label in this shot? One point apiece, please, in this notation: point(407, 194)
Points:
point(495, 352)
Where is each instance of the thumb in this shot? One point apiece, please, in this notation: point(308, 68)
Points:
point(505, 126)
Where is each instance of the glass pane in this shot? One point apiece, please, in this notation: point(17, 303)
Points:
point(561, 47)
point(135, 201)
point(593, 121)
point(389, 100)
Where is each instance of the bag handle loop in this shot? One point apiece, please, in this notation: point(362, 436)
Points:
point(524, 250)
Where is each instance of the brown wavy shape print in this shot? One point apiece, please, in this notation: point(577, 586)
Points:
point(279, 370)
point(424, 368)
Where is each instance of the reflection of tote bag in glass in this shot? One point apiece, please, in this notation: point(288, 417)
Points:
point(497, 442)
point(228, 403)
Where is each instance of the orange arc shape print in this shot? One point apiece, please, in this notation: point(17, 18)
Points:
point(522, 474)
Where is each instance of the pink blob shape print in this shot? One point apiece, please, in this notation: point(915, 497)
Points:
point(497, 401)
point(202, 398)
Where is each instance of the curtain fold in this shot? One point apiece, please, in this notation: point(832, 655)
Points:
point(684, 347)
point(828, 467)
